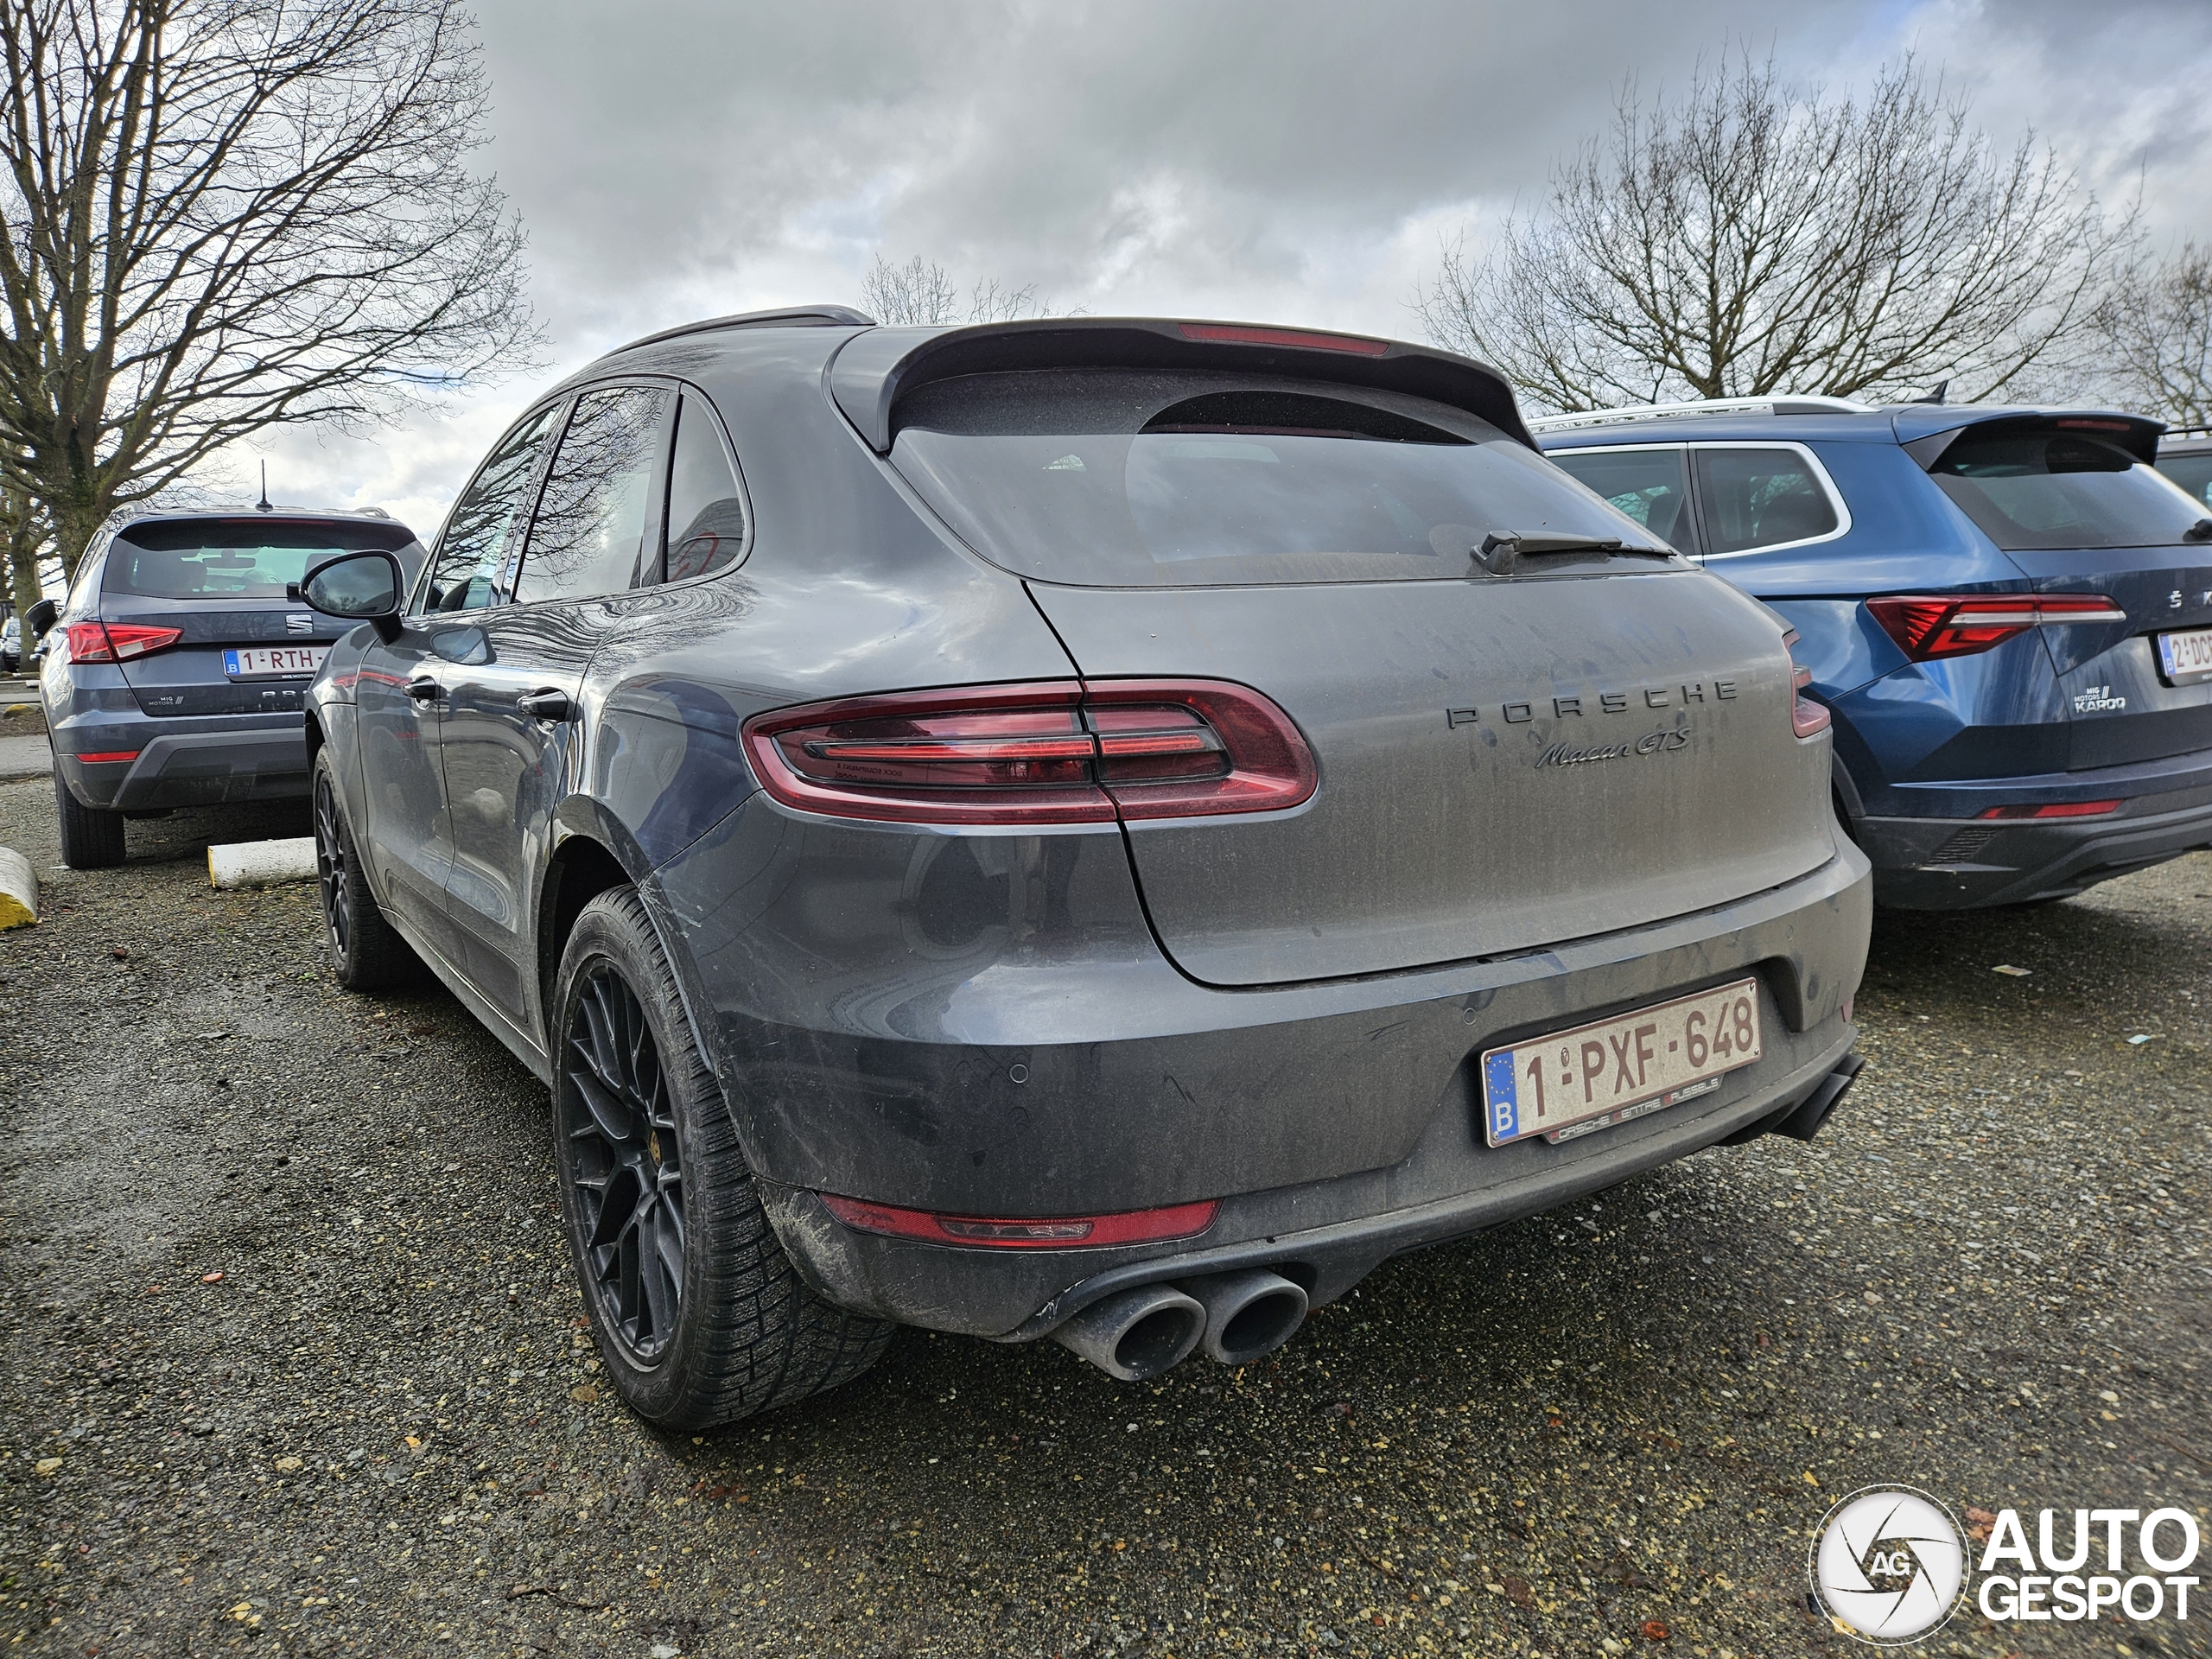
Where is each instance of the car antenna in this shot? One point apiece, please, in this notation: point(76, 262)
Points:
point(1936, 396)
point(262, 506)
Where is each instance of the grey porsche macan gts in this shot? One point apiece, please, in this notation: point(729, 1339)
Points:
point(1098, 828)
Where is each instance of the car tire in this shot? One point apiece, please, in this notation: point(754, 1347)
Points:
point(364, 952)
point(91, 837)
point(650, 1165)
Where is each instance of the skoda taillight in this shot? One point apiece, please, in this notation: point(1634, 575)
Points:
point(1059, 751)
point(118, 642)
point(1933, 625)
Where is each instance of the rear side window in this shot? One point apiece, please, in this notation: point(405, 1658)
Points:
point(1756, 497)
point(233, 559)
point(706, 508)
point(590, 525)
point(1110, 479)
point(2192, 475)
point(1650, 486)
point(473, 552)
point(2047, 487)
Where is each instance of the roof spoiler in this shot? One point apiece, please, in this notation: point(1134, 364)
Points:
point(874, 370)
point(2137, 434)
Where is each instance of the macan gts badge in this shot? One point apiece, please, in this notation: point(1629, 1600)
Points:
point(959, 819)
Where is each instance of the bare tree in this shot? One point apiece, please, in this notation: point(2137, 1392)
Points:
point(922, 291)
point(2156, 329)
point(220, 216)
point(23, 527)
point(1755, 238)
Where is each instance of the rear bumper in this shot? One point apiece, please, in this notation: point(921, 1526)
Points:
point(1326, 1236)
point(1965, 863)
point(1055, 1063)
point(262, 762)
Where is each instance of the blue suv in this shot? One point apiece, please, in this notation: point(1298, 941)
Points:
point(183, 659)
point(2008, 611)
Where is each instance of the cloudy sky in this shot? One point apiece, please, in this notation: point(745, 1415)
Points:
point(1288, 162)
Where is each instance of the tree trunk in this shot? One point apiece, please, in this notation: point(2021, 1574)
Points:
point(23, 583)
point(75, 523)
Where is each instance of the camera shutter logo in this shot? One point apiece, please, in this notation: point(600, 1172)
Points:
point(1888, 1563)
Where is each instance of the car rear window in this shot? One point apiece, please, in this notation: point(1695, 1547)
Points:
point(1103, 478)
point(220, 560)
point(2050, 487)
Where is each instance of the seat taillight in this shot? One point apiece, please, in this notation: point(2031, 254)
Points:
point(1057, 752)
point(118, 642)
point(1933, 625)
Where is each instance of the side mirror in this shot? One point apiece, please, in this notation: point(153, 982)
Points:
point(356, 588)
point(38, 619)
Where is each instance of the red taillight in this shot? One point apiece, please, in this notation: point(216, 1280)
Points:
point(1026, 1232)
point(1056, 753)
point(108, 757)
point(1807, 717)
point(118, 642)
point(1927, 627)
point(1302, 339)
point(2054, 810)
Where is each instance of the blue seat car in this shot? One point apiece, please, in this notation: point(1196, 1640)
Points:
point(2008, 611)
point(182, 661)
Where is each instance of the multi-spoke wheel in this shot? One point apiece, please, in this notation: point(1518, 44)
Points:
point(700, 1316)
point(628, 1161)
point(365, 954)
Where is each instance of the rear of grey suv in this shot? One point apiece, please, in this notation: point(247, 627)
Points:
point(178, 676)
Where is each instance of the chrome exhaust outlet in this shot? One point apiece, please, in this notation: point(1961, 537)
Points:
point(1248, 1314)
point(1137, 1334)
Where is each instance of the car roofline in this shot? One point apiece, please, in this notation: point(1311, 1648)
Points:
point(872, 370)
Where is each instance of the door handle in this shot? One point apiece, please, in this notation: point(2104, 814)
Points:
point(546, 705)
point(423, 689)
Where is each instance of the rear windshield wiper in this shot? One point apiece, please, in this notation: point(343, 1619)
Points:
point(2199, 531)
point(1503, 550)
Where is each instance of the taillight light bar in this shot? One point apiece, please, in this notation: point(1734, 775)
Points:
point(118, 642)
point(1807, 718)
point(1026, 1232)
point(1303, 340)
point(1931, 626)
point(2055, 810)
point(1051, 752)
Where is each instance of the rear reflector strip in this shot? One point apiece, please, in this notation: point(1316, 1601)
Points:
point(1297, 338)
point(1930, 626)
point(105, 757)
point(2055, 810)
point(1026, 1232)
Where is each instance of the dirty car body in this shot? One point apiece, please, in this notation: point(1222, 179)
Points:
point(1102, 803)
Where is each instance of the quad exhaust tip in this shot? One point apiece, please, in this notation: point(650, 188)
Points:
point(1236, 1317)
point(1137, 1334)
point(1248, 1315)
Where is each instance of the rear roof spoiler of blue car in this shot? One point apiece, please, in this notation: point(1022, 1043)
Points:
point(874, 370)
point(1927, 430)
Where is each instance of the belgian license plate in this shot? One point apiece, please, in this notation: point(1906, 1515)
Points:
point(273, 662)
point(2185, 658)
point(1574, 1083)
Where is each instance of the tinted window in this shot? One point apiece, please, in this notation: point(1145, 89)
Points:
point(1106, 478)
point(706, 510)
point(591, 516)
point(472, 552)
point(1650, 486)
point(2192, 474)
point(1759, 498)
point(220, 560)
point(2052, 488)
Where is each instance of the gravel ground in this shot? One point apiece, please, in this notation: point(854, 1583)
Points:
point(293, 1364)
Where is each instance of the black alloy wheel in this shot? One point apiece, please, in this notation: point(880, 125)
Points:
point(365, 953)
point(628, 1165)
point(332, 866)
